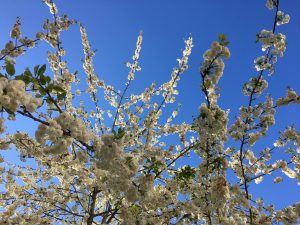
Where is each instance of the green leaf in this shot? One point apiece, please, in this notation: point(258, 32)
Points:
point(54, 109)
point(10, 69)
point(42, 70)
point(120, 134)
point(28, 73)
point(222, 37)
point(43, 79)
point(61, 96)
point(48, 79)
point(10, 112)
point(36, 69)
point(50, 87)
point(203, 115)
point(42, 91)
point(58, 89)
point(185, 173)
point(24, 78)
point(48, 100)
point(128, 161)
point(207, 83)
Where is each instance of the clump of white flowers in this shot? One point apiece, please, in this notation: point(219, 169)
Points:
point(51, 5)
point(282, 18)
point(254, 84)
point(220, 189)
point(134, 66)
point(262, 63)
point(54, 133)
point(62, 131)
point(168, 89)
point(271, 43)
point(88, 62)
point(212, 68)
point(291, 97)
point(16, 32)
point(13, 95)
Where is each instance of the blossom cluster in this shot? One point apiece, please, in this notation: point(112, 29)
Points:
point(282, 18)
point(169, 88)
point(62, 131)
point(13, 95)
point(16, 46)
point(291, 97)
point(268, 40)
point(134, 66)
point(273, 44)
point(212, 69)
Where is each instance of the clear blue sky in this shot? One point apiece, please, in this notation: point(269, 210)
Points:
point(113, 27)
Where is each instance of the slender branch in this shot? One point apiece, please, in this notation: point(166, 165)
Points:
point(17, 47)
point(247, 121)
point(92, 206)
point(185, 151)
point(119, 104)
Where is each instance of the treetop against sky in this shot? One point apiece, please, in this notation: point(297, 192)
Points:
point(123, 112)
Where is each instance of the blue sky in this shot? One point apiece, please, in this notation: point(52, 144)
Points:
point(113, 27)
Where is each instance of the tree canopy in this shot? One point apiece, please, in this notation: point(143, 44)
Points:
point(127, 163)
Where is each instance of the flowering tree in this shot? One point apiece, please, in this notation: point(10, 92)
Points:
point(97, 166)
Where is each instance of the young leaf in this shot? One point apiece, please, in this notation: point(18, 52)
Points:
point(36, 69)
point(48, 79)
point(42, 91)
point(58, 89)
point(42, 70)
point(28, 73)
point(61, 96)
point(10, 69)
point(43, 79)
point(222, 37)
point(24, 78)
